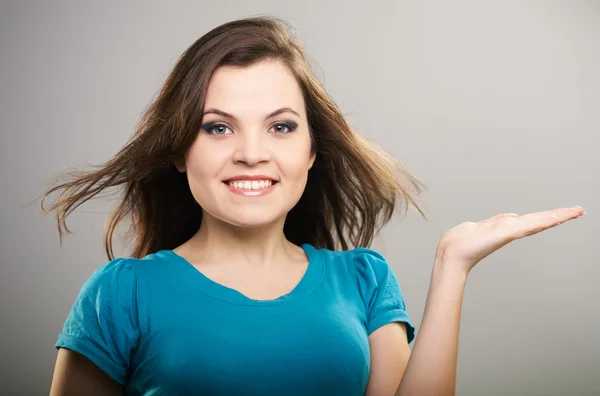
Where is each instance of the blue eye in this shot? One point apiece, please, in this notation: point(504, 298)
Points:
point(215, 129)
point(285, 127)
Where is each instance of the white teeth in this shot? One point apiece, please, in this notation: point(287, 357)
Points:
point(251, 185)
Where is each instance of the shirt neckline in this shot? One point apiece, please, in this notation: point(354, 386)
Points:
point(312, 276)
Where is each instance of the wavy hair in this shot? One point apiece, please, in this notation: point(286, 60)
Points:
point(353, 188)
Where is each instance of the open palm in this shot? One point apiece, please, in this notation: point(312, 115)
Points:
point(470, 242)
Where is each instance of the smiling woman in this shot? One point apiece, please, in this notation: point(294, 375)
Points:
point(242, 180)
point(252, 204)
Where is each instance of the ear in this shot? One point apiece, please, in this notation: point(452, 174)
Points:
point(313, 156)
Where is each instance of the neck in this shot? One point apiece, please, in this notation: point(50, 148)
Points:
point(258, 247)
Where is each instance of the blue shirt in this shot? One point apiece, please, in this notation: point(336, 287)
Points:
point(158, 326)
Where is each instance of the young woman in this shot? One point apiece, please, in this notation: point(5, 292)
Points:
point(241, 181)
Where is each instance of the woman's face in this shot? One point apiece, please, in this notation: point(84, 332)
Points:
point(249, 163)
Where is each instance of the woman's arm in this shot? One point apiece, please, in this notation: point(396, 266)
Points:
point(76, 375)
point(431, 369)
point(389, 355)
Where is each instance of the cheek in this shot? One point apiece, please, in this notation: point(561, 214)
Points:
point(203, 161)
point(296, 166)
point(204, 166)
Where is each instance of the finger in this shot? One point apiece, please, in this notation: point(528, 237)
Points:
point(534, 223)
point(554, 216)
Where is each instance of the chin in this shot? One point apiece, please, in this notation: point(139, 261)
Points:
point(251, 224)
point(256, 219)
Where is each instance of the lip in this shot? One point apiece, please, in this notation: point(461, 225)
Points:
point(249, 177)
point(251, 193)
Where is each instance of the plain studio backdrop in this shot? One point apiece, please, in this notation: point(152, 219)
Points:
point(494, 105)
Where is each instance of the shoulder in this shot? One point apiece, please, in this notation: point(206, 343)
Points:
point(116, 270)
point(363, 263)
point(122, 273)
point(110, 282)
point(118, 287)
point(371, 265)
point(135, 267)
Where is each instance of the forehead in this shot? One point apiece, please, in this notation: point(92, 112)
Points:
point(256, 90)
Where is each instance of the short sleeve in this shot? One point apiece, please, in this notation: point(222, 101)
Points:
point(380, 291)
point(103, 323)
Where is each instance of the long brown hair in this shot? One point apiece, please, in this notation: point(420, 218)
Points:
point(353, 188)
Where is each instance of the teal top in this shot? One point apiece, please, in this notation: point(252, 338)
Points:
point(159, 326)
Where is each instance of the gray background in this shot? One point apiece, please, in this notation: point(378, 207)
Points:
point(493, 104)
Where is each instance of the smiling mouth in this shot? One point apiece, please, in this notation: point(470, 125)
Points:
point(250, 185)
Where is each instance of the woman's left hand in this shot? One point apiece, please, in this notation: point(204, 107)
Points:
point(468, 243)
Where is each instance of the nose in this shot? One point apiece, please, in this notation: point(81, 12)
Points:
point(251, 148)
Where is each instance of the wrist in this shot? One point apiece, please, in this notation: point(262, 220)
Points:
point(450, 270)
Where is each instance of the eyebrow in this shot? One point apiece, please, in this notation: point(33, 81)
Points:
point(271, 115)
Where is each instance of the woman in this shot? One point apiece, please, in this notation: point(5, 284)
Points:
point(241, 181)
